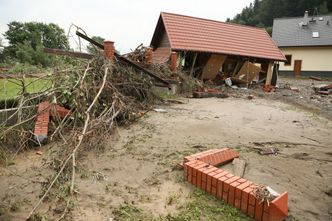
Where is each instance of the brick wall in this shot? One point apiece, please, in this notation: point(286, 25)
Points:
point(44, 112)
point(200, 170)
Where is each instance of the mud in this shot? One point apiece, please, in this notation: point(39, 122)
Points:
point(139, 164)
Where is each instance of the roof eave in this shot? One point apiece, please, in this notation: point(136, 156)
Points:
point(299, 46)
point(246, 56)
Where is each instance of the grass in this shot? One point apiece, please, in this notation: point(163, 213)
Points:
point(204, 206)
point(200, 206)
point(10, 88)
point(130, 212)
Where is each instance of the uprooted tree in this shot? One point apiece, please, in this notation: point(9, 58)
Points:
point(100, 95)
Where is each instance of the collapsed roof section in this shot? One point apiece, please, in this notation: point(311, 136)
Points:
point(185, 33)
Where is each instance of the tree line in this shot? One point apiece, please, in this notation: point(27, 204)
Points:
point(26, 41)
point(261, 13)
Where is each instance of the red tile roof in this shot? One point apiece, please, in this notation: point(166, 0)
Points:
point(203, 35)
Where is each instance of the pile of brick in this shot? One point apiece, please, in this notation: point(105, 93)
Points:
point(44, 113)
point(201, 170)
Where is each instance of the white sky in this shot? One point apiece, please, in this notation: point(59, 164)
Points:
point(127, 22)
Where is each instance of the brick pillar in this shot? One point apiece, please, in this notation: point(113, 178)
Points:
point(148, 55)
point(109, 50)
point(174, 59)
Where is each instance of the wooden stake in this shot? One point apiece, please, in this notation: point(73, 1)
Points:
point(193, 65)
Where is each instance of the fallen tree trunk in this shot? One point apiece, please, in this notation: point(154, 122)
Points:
point(121, 58)
point(67, 53)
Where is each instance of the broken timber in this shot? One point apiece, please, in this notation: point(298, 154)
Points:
point(68, 53)
point(121, 58)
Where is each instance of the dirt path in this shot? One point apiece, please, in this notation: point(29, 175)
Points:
point(137, 168)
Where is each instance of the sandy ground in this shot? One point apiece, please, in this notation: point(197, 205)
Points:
point(138, 164)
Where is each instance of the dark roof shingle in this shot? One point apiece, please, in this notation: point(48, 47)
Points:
point(289, 32)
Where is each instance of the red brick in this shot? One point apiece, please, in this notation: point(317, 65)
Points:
point(199, 174)
point(195, 172)
point(188, 167)
point(242, 180)
point(226, 186)
point(251, 211)
point(238, 193)
point(265, 211)
point(266, 207)
point(279, 208)
point(215, 178)
point(259, 211)
point(245, 199)
point(252, 199)
point(229, 175)
point(219, 173)
point(231, 194)
point(209, 181)
point(205, 172)
point(220, 184)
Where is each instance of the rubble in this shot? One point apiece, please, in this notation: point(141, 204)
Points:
point(239, 167)
point(268, 150)
point(315, 78)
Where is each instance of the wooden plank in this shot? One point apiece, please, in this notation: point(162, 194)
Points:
point(248, 72)
point(213, 66)
point(67, 53)
point(193, 65)
point(269, 73)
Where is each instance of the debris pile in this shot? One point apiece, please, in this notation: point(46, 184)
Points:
point(139, 54)
point(323, 89)
point(100, 95)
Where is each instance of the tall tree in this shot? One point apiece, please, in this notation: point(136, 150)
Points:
point(28, 39)
point(261, 13)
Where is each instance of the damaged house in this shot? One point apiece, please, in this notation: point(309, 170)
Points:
point(212, 50)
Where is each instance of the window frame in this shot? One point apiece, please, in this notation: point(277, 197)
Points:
point(289, 60)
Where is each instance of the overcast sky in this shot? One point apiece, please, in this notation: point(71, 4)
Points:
point(127, 22)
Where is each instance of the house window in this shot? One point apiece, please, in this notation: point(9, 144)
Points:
point(315, 34)
point(289, 59)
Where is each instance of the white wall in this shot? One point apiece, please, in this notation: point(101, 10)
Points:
point(313, 58)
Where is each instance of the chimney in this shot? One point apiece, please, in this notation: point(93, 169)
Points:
point(306, 18)
point(148, 55)
point(109, 50)
point(174, 59)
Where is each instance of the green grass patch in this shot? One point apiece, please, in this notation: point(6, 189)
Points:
point(130, 212)
point(10, 88)
point(204, 206)
point(200, 206)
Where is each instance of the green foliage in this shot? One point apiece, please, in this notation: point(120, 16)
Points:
point(24, 68)
point(130, 212)
point(323, 8)
point(12, 88)
point(26, 41)
point(25, 53)
point(92, 49)
point(261, 13)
